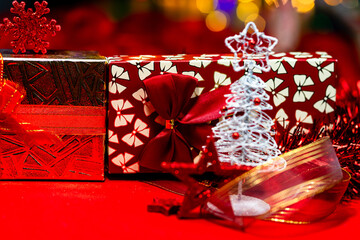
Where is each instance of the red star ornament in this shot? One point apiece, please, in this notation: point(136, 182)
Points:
point(198, 193)
point(29, 29)
point(164, 206)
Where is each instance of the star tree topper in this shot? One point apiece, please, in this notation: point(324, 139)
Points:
point(29, 29)
point(251, 46)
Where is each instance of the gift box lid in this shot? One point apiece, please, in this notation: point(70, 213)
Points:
point(296, 56)
point(59, 77)
point(77, 56)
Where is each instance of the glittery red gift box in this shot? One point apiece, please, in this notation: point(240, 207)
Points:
point(302, 89)
point(65, 96)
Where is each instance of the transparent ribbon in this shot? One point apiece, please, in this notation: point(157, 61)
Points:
point(307, 190)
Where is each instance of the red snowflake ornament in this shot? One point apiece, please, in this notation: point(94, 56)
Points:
point(29, 29)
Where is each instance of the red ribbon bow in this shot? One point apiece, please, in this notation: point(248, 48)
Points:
point(187, 119)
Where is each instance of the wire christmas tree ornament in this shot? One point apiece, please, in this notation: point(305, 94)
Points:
point(244, 134)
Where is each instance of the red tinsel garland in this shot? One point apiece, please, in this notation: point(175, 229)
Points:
point(345, 137)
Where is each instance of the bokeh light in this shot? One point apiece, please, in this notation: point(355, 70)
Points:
point(227, 5)
point(333, 2)
point(251, 17)
point(179, 9)
point(303, 6)
point(245, 1)
point(258, 20)
point(245, 9)
point(216, 21)
point(206, 6)
point(275, 2)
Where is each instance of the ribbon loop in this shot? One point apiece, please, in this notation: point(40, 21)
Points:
point(170, 94)
point(10, 97)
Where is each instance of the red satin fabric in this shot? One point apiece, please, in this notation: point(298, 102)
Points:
point(206, 107)
point(10, 97)
point(170, 94)
point(64, 120)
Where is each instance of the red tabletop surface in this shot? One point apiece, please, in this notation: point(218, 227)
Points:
point(116, 209)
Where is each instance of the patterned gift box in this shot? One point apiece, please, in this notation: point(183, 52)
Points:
point(302, 89)
point(64, 97)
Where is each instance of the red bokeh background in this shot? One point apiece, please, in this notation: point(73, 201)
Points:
point(91, 26)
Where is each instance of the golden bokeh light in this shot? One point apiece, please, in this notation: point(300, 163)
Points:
point(258, 20)
point(251, 17)
point(245, 1)
point(259, 3)
point(333, 2)
point(303, 6)
point(206, 6)
point(180, 9)
point(245, 9)
point(216, 21)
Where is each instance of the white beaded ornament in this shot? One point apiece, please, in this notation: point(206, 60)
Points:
point(243, 135)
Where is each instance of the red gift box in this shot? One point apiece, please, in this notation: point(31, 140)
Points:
point(64, 97)
point(302, 89)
